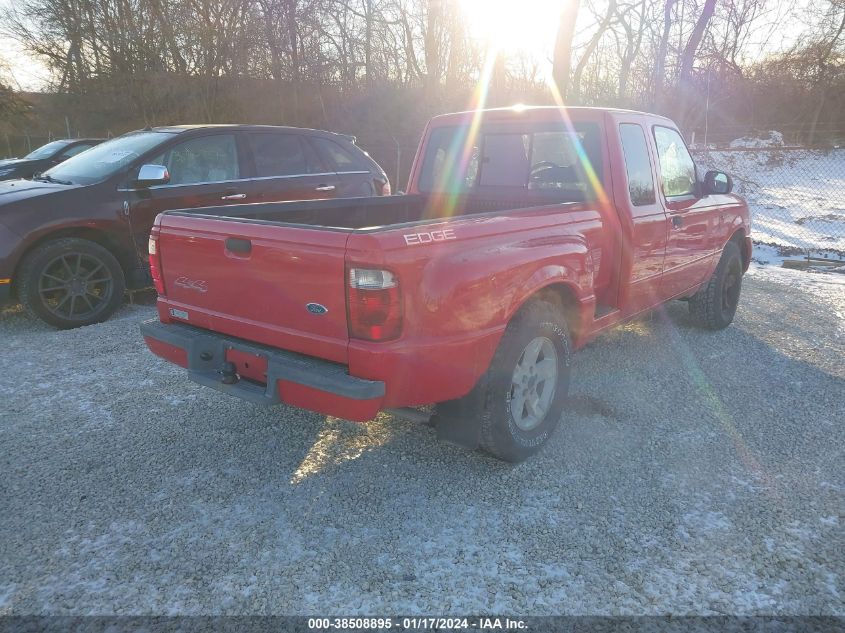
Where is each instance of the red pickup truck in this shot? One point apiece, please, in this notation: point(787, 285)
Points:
point(525, 233)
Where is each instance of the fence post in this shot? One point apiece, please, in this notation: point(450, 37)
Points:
point(398, 160)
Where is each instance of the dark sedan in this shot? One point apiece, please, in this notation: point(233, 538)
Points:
point(74, 238)
point(45, 157)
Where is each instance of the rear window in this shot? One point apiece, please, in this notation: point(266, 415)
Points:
point(560, 160)
point(339, 158)
point(282, 155)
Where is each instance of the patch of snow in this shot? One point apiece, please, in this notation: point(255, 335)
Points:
point(772, 139)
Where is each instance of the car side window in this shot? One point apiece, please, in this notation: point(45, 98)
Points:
point(676, 165)
point(637, 164)
point(200, 160)
point(281, 155)
point(73, 151)
point(336, 156)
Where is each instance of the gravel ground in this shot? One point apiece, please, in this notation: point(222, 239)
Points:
point(695, 473)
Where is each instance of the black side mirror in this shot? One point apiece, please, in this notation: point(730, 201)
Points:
point(717, 182)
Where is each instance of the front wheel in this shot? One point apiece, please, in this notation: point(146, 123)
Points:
point(527, 383)
point(71, 282)
point(714, 305)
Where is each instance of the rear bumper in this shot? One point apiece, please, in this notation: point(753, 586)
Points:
point(294, 379)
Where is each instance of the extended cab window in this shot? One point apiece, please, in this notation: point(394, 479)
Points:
point(676, 165)
point(556, 159)
point(201, 160)
point(637, 164)
point(282, 155)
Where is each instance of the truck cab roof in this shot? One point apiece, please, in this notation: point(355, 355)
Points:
point(537, 113)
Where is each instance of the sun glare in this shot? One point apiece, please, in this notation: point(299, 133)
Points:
point(527, 26)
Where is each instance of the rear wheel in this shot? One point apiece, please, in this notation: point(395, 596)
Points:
point(714, 305)
point(71, 282)
point(527, 384)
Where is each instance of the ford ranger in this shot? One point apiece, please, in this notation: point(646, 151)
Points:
point(525, 233)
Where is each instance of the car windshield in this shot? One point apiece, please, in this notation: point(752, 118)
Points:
point(45, 151)
point(558, 160)
point(102, 161)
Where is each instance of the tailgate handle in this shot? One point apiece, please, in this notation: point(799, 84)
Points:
point(238, 245)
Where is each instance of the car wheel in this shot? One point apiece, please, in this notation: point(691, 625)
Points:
point(71, 282)
point(527, 383)
point(714, 305)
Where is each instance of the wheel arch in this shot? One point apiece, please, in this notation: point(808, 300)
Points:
point(98, 236)
point(739, 238)
point(565, 296)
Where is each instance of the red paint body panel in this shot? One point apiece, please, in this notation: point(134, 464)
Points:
point(461, 279)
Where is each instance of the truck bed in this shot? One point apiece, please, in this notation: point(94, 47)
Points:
point(373, 213)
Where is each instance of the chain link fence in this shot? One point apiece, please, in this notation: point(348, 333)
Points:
point(796, 194)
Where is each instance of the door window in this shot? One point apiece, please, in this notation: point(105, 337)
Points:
point(637, 164)
point(676, 165)
point(282, 155)
point(206, 159)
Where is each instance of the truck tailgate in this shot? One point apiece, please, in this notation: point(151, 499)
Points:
point(279, 285)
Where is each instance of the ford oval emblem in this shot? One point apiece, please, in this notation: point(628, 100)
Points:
point(316, 308)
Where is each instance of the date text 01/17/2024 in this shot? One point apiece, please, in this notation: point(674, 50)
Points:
point(417, 624)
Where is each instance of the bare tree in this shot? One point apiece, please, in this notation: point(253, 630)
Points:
point(691, 48)
point(562, 60)
point(662, 52)
point(602, 28)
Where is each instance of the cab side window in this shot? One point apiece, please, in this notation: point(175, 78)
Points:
point(637, 164)
point(205, 159)
point(676, 165)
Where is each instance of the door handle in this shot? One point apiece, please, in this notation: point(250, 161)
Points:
point(326, 188)
point(238, 245)
point(234, 196)
point(677, 221)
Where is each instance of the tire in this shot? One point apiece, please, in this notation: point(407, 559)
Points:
point(714, 305)
point(71, 282)
point(505, 433)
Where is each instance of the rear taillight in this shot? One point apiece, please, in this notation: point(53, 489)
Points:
point(155, 262)
point(374, 305)
point(385, 188)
